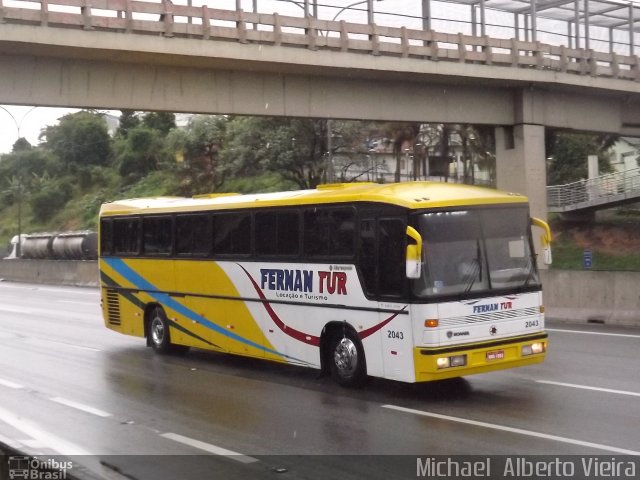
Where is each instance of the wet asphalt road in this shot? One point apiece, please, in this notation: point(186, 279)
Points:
point(69, 386)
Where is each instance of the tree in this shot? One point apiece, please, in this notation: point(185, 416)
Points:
point(401, 134)
point(568, 152)
point(295, 148)
point(79, 139)
point(164, 122)
point(128, 121)
point(142, 151)
point(21, 145)
point(197, 149)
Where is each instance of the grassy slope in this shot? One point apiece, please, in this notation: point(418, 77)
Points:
point(613, 239)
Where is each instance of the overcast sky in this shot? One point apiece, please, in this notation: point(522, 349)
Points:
point(30, 121)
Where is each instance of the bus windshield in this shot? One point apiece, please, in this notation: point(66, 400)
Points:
point(467, 252)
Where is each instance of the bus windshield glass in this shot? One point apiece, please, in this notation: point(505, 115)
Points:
point(469, 252)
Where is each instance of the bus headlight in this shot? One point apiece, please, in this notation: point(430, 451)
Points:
point(533, 349)
point(443, 362)
point(454, 361)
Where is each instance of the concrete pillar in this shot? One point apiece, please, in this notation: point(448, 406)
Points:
point(521, 168)
point(593, 167)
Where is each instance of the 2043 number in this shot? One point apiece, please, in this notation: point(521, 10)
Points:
point(395, 334)
point(531, 324)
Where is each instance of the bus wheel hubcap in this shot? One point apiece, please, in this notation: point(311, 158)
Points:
point(345, 356)
point(157, 331)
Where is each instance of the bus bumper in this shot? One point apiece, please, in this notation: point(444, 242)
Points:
point(440, 363)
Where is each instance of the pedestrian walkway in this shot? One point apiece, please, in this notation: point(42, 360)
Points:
point(605, 191)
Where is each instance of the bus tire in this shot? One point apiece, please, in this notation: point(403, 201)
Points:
point(159, 337)
point(346, 359)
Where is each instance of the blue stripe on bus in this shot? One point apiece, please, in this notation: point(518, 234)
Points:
point(141, 283)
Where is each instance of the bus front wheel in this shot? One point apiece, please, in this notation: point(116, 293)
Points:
point(347, 362)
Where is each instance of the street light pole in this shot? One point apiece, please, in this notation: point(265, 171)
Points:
point(17, 123)
point(18, 182)
point(369, 10)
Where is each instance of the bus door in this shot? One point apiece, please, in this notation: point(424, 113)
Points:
point(382, 265)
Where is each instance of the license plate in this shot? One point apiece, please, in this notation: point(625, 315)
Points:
point(495, 355)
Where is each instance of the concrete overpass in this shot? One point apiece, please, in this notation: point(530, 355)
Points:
point(159, 56)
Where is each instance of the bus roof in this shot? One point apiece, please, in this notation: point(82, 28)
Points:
point(411, 195)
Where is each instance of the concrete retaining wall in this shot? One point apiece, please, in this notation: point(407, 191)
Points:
point(54, 272)
point(610, 297)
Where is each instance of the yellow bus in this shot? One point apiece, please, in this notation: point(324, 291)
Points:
point(412, 282)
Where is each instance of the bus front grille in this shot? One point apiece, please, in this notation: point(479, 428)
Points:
point(113, 307)
point(490, 317)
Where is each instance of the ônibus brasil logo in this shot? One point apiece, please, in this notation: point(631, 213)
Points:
point(31, 468)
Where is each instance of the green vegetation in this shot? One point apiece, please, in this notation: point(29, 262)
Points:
point(614, 242)
point(61, 183)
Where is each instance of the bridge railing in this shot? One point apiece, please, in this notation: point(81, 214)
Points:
point(594, 190)
point(169, 20)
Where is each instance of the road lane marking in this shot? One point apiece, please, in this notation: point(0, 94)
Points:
point(207, 447)
point(46, 341)
point(78, 291)
point(10, 384)
point(624, 335)
point(9, 442)
point(75, 302)
point(81, 406)
point(25, 311)
point(519, 431)
point(586, 387)
point(32, 430)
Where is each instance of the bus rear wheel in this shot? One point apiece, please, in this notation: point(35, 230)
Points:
point(158, 332)
point(347, 362)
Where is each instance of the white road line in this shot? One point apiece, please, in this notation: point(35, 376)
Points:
point(47, 342)
point(592, 333)
point(78, 291)
point(519, 431)
point(26, 311)
point(207, 447)
point(10, 384)
point(81, 406)
point(586, 387)
point(75, 302)
point(9, 442)
point(32, 430)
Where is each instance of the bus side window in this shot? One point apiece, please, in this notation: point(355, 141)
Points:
point(157, 235)
point(126, 236)
point(193, 235)
point(329, 232)
point(342, 232)
point(277, 233)
point(232, 234)
point(391, 262)
point(106, 236)
point(367, 255)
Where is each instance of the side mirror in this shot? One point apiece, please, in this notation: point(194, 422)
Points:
point(414, 254)
point(545, 239)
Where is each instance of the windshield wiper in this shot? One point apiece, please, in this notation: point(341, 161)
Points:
point(476, 272)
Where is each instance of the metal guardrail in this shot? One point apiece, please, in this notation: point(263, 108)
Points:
point(169, 20)
point(595, 192)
